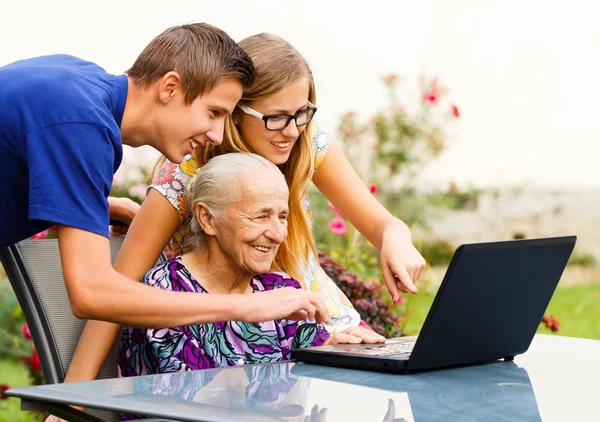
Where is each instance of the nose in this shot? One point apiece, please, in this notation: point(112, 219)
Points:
point(215, 134)
point(291, 130)
point(277, 232)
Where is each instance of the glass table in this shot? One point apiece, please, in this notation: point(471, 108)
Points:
point(557, 379)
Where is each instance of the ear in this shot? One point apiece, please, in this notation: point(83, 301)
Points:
point(205, 219)
point(168, 86)
point(236, 116)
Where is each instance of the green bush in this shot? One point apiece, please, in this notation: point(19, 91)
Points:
point(366, 298)
point(436, 251)
point(582, 259)
point(12, 322)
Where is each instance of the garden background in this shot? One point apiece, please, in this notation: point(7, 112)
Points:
point(485, 133)
point(389, 149)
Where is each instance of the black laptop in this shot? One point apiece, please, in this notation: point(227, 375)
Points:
point(488, 307)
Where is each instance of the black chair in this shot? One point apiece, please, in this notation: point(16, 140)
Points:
point(34, 270)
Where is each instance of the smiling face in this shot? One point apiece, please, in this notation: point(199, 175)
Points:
point(181, 127)
point(275, 146)
point(251, 229)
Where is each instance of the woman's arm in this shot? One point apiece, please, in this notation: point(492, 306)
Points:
point(141, 248)
point(338, 181)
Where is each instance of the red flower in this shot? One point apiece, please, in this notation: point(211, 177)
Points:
point(40, 235)
point(34, 362)
point(26, 333)
point(373, 188)
point(3, 389)
point(551, 322)
point(455, 111)
point(338, 226)
point(52, 229)
point(433, 94)
point(430, 97)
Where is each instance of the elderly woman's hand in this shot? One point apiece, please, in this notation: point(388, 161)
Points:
point(286, 302)
point(401, 262)
point(356, 335)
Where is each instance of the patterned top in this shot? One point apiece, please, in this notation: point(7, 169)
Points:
point(172, 180)
point(215, 345)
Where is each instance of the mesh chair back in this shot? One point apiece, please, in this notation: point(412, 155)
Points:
point(34, 270)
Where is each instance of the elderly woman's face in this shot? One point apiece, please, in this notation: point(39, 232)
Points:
point(253, 227)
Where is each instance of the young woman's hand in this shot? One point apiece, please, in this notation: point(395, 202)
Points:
point(355, 335)
point(401, 262)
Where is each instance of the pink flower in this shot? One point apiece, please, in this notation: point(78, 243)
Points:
point(373, 188)
point(401, 301)
point(40, 235)
point(338, 226)
point(52, 229)
point(455, 111)
point(26, 333)
point(334, 209)
point(430, 97)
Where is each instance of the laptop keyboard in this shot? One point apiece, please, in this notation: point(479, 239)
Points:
point(380, 350)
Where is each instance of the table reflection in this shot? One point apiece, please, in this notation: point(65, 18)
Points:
point(299, 392)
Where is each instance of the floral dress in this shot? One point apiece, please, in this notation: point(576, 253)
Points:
point(215, 345)
point(172, 180)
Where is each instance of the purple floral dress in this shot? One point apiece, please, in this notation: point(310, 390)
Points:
point(215, 345)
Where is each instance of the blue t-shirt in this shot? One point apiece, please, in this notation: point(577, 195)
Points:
point(60, 145)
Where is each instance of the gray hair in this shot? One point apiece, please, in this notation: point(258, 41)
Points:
point(217, 185)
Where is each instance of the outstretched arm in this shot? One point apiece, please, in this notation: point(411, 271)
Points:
point(402, 264)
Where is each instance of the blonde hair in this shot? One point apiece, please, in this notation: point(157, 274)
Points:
point(203, 56)
point(277, 65)
point(216, 185)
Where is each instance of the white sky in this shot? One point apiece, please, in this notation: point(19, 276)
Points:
point(525, 74)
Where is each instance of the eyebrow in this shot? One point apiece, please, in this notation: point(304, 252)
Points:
point(281, 111)
point(221, 109)
point(269, 210)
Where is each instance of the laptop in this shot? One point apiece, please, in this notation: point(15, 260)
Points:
point(488, 307)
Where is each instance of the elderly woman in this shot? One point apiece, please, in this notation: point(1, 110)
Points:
point(239, 204)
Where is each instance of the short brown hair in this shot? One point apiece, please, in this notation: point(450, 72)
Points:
point(203, 56)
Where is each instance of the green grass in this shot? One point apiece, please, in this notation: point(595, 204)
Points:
point(15, 374)
point(576, 307)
